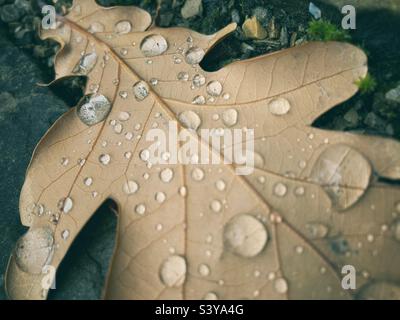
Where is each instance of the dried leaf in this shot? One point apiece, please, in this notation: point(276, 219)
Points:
point(312, 205)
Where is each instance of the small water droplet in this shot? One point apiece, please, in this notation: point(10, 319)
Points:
point(123, 94)
point(160, 197)
point(96, 27)
point(190, 119)
point(216, 205)
point(153, 45)
point(299, 191)
point(88, 181)
point(183, 76)
point(280, 189)
point(214, 88)
point(198, 80)
point(279, 106)
point(65, 234)
point(128, 136)
point(210, 296)
point(226, 96)
point(194, 55)
point(124, 116)
point(199, 100)
point(85, 64)
point(173, 271)
point(93, 109)
point(123, 27)
point(144, 155)
point(130, 187)
point(230, 117)
point(220, 185)
point(245, 235)
point(140, 90)
point(105, 159)
point(183, 191)
point(316, 230)
point(197, 174)
point(64, 161)
point(118, 128)
point(66, 205)
point(153, 81)
point(166, 175)
point(281, 285)
point(140, 209)
point(204, 270)
point(299, 249)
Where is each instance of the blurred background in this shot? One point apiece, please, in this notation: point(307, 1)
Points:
point(28, 110)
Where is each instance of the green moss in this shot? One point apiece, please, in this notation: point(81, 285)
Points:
point(322, 30)
point(367, 84)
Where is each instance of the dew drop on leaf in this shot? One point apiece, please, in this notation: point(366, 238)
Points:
point(34, 250)
point(280, 285)
point(194, 55)
point(199, 100)
point(214, 88)
point(105, 159)
point(93, 109)
point(85, 64)
point(198, 80)
point(140, 90)
point(190, 119)
point(279, 106)
point(220, 185)
point(183, 76)
point(210, 296)
point(204, 270)
point(130, 187)
point(153, 45)
point(245, 235)
point(197, 174)
point(123, 27)
point(230, 117)
point(96, 27)
point(166, 175)
point(160, 197)
point(280, 189)
point(173, 271)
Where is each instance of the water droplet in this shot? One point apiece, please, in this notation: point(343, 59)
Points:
point(220, 185)
point(216, 205)
point(105, 159)
point(166, 175)
point(123, 27)
point(214, 88)
point(299, 191)
point(118, 128)
point(153, 45)
point(183, 191)
point(316, 230)
point(199, 100)
point(124, 116)
point(271, 276)
point(197, 174)
point(128, 136)
point(140, 209)
point(123, 94)
point(280, 189)
point(183, 76)
point(128, 155)
point(85, 64)
point(88, 181)
point(370, 238)
point(198, 80)
point(93, 109)
point(140, 90)
point(343, 173)
point(230, 117)
point(153, 81)
point(96, 27)
point(65, 234)
point(38, 209)
point(190, 120)
point(34, 250)
point(279, 106)
point(210, 296)
point(66, 204)
point(130, 187)
point(226, 96)
point(160, 197)
point(144, 155)
point(64, 161)
point(194, 55)
point(302, 164)
point(245, 235)
point(299, 249)
point(173, 271)
point(281, 285)
point(204, 270)
point(159, 227)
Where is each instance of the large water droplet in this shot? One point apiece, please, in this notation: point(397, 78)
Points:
point(66, 205)
point(199, 100)
point(230, 117)
point(245, 235)
point(190, 119)
point(86, 64)
point(153, 45)
point(140, 90)
point(173, 271)
point(34, 250)
point(214, 88)
point(105, 159)
point(279, 106)
point(343, 173)
point(130, 187)
point(123, 27)
point(194, 55)
point(197, 174)
point(93, 109)
point(198, 80)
